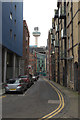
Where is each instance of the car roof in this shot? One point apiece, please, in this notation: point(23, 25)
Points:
point(15, 79)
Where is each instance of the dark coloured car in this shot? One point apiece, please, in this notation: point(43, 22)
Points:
point(30, 76)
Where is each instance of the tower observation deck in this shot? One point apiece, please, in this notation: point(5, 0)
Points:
point(36, 34)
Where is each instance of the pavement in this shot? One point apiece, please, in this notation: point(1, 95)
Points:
point(2, 91)
point(72, 102)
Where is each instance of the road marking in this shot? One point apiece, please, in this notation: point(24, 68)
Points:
point(53, 101)
point(58, 110)
point(20, 95)
point(26, 92)
point(60, 107)
point(2, 97)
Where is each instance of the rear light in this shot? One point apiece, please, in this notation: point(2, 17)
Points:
point(6, 85)
point(19, 85)
point(27, 79)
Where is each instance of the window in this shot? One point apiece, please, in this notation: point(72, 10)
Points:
point(26, 48)
point(42, 61)
point(42, 65)
point(10, 33)
point(59, 12)
point(54, 43)
point(69, 18)
point(70, 69)
point(68, 3)
point(62, 33)
point(69, 41)
point(14, 36)
point(56, 27)
point(11, 15)
point(71, 9)
point(15, 21)
point(15, 7)
point(26, 38)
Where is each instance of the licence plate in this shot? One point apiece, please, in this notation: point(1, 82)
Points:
point(13, 89)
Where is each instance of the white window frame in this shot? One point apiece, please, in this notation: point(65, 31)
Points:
point(62, 33)
point(11, 15)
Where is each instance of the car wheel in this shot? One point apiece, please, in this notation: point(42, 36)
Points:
point(22, 92)
point(28, 86)
point(32, 83)
point(6, 92)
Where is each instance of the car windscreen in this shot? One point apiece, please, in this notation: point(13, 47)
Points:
point(24, 77)
point(35, 75)
point(12, 81)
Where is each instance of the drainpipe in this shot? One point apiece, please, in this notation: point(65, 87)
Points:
point(65, 46)
point(72, 25)
point(58, 53)
point(54, 66)
point(5, 65)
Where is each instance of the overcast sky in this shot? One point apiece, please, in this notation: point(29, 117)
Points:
point(39, 13)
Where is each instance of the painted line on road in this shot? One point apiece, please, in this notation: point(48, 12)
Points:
point(60, 107)
point(2, 97)
point(53, 101)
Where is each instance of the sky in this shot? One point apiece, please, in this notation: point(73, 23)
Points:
point(39, 13)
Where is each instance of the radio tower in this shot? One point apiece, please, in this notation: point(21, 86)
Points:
point(36, 34)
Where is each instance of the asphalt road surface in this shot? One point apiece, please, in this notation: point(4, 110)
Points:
point(39, 100)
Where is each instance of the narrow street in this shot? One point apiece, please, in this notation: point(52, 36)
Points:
point(41, 99)
point(39, 59)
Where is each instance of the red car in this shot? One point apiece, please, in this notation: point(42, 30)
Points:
point(27, 80)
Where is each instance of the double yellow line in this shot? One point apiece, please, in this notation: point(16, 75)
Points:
point(60, 107)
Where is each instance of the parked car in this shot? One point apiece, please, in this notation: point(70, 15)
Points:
point(30, 76)
point(35, 77)
point(15, 85)
point(27, 79)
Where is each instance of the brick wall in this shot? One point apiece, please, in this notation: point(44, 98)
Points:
point(32, 62)
point(25, 58)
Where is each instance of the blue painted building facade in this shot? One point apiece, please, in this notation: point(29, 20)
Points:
point(12, 38)
point(12, 21)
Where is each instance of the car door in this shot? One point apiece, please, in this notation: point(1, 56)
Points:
point(22, 85)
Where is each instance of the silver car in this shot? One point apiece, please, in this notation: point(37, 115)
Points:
point(15, 85)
